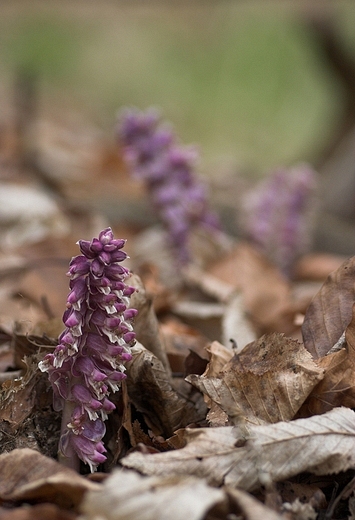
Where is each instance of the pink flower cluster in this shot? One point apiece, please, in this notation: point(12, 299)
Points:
point(88, 362)
point(277, 215)
point(180, 199)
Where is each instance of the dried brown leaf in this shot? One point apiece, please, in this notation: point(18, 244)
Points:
point(18, 396)
point(42, 511)
point(146, 323)
point(330, 310)
point(220, 355)
point(323, 444)
point(150, 391)
point(250, 507)
point(310, 493)
point(26, 475)
point(267, 382)
point(126, 495)
point(338, 385)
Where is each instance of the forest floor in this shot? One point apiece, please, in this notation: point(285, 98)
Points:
point(239, 398)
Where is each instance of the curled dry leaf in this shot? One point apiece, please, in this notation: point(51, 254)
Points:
point(28, 476)
point(337, 388)
point(220, 355)
point(150, 391)
point(323, 444)
point(267, 382)
point(126, 495)
point(329, 313)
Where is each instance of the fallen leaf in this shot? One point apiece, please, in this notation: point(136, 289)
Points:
point(217, 417)
point(146, 325)
point(250, 507)
point(323, 444)
point(337, 388)
point(267, 382)
point(26, 476)
point(330, 310)
point(18, 397)
point(220, 355)
point(126, 495)
point(150, 391)
point(309, 493)
point(44, 511)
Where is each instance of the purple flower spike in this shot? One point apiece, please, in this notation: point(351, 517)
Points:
point(277, 215)
point(179, 198)
point(88, 362)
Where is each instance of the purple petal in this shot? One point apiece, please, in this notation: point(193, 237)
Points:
point(118, 256)
point(96, 246)
point(72, 319)
point(129, 314)
point(108, 406)
point(118, 242)
point(116, 271)
point(94, 430)
point(105, 257)
point(97, 268)
point(96, 342)
point(83, 396)
point(128, 290)
point(79, 266)
point(85, 248)
point(78, 291)
point(106, 236)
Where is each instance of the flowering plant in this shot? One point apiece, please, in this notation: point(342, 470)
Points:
point(180, 199)
point(88, 362)
point(277, 215)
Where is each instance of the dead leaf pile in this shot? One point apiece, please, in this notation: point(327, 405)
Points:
point(240, 394)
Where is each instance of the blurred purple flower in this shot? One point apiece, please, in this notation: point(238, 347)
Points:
point(179, 197)
point(88, 362)
point(276, 215)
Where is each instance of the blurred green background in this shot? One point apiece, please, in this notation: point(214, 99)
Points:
point(244, 80)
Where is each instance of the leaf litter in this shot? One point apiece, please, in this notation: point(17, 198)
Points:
point(239, 397)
